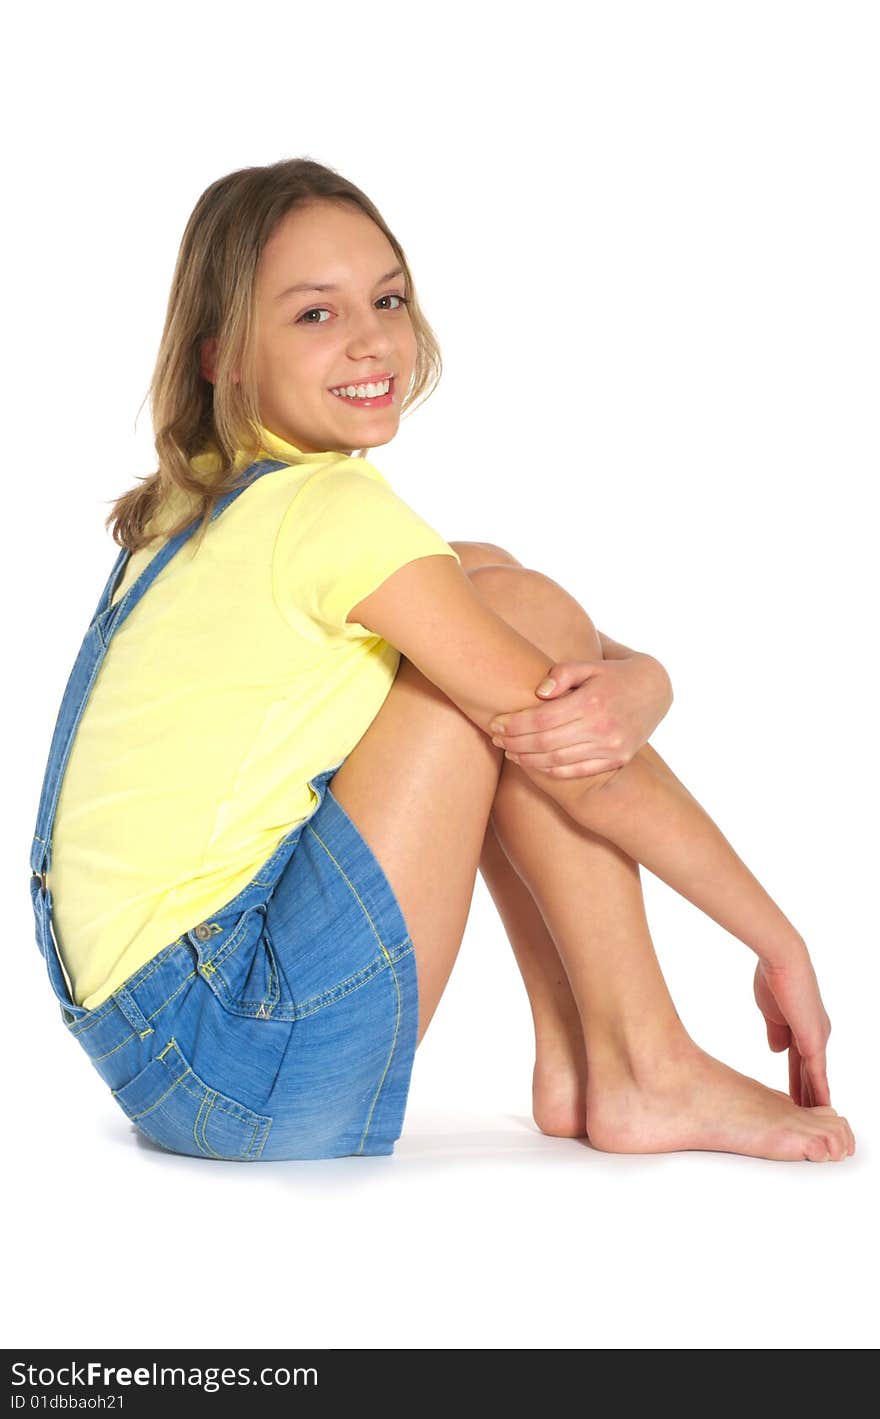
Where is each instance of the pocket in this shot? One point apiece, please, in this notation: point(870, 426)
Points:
point(169, 1103)
point(242, 971)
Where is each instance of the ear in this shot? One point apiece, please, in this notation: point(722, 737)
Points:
point(207, 359)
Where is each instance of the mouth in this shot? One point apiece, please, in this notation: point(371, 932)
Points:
point(379, 399)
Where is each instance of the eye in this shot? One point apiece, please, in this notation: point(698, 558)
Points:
point(318, 310)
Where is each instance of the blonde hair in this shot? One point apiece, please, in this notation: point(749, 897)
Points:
point(212, 296)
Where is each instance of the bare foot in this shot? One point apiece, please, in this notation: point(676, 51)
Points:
point(559, 1094)
point(695, 1101)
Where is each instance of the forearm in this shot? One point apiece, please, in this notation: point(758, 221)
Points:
point(647, 811)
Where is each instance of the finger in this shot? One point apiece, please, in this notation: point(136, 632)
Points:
point(565, 674)
point(548, 729)
point(555, 681)
point(547, 738)
point(585, 769)
point(794, 1073)
point(568, 757)
point(778, 1035)
point(568, 676)
point(817, 1074)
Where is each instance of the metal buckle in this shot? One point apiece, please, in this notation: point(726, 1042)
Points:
point(41, 878)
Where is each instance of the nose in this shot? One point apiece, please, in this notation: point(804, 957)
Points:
point(370, 336)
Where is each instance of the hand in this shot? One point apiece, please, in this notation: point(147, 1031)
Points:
point(605, 711)
point(788, 997)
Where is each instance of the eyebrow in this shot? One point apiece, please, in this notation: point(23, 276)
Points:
point(328, 286)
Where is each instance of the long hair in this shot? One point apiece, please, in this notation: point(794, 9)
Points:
point(212, 296)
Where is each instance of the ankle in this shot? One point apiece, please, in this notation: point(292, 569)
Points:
point(640, 1057)
point(560, 1051)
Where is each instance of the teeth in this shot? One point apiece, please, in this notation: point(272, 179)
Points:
point(362, 391)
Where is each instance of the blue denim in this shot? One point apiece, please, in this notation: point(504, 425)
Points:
point(284, 1026)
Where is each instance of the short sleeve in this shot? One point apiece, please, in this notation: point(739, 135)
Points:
point(345, 532)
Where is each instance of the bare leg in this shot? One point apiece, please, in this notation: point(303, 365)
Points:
point(559, 1076)
point(650, 1088)
point(617, 912)
point(423, 764)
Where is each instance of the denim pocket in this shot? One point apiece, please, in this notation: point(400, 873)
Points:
point(243, 971)
point(169, 1103)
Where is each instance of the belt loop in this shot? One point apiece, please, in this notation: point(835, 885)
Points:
point(132, 1011)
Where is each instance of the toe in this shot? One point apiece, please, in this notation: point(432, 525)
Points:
point(816, 1150)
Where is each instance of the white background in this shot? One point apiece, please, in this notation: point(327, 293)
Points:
point(646, 236)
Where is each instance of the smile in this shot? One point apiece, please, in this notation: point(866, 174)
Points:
point(373, 395)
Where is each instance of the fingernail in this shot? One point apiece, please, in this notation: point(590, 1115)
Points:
point(514, 757)
point(496, 726)
point(545, 686)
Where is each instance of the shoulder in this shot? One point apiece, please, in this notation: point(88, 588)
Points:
point(344, 472)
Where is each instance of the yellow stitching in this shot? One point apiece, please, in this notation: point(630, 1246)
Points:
point(156, 1012)
point(170, 1090)
point(246, 1116)
point(203, 1143)
point(353, 982)
point(95, 1018)
point(387, 1065)
point(250, 1113)
point(206, 1147)
point(303, 1013)
point(343, 873)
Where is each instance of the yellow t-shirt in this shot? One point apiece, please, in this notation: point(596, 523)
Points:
point(234, 681)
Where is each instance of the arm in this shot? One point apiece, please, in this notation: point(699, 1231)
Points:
point(660, 824)
point(596, 714)
point(431, 612)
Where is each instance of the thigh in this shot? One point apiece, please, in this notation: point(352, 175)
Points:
point(421, 782)
point(419, 787)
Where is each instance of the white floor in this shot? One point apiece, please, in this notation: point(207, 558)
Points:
point(478, 1232)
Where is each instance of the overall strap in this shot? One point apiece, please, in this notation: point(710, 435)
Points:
point(106, 620)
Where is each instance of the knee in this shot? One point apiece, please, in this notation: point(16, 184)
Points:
point(481, 554)
point(540, 609)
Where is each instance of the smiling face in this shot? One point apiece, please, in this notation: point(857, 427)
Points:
point(310, 341)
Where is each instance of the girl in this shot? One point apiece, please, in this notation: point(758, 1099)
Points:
point(250, 944)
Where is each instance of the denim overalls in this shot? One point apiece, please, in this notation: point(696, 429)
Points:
point(157, 1087)
point(105, 621)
